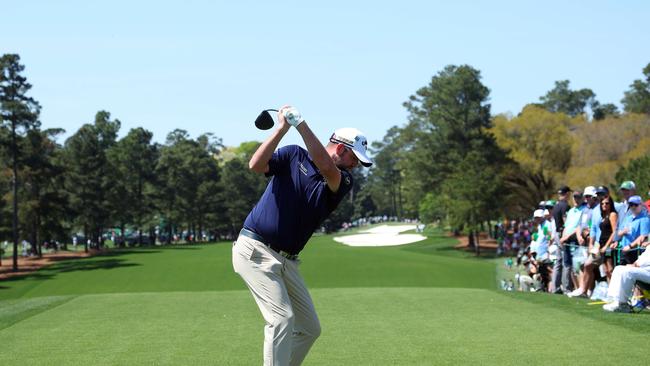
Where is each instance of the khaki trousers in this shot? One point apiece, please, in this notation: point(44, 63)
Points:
point(292, 325)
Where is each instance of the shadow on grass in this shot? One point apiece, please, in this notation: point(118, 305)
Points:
point(445, 246)
point(100, 262)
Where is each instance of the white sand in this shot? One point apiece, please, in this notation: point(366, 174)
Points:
point(384, 235)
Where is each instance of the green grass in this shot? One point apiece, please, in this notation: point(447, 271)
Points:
point(418, 304)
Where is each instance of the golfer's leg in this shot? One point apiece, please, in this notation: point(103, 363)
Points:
point(261, 272)
point(306, 325)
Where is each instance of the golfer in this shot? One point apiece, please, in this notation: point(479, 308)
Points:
point(306, 186)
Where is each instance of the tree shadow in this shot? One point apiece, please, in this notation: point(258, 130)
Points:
point(442, 247)
point(72, 265)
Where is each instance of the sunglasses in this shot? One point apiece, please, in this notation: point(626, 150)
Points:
point(633, 205)
point(606, 203)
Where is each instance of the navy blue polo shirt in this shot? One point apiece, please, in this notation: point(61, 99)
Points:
point(296, 201)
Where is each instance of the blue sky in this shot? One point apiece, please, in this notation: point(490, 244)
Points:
point(212, 66)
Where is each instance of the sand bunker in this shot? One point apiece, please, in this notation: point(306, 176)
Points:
point(380, 236)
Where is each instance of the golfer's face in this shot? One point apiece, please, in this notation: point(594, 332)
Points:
point(349, 160)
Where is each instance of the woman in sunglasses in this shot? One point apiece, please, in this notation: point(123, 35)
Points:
point(608, 227)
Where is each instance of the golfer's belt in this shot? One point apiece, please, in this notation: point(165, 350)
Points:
point(249, 234)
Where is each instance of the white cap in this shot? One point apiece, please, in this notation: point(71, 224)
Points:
point(355, 140)
point(538, 213)
point(590, 191)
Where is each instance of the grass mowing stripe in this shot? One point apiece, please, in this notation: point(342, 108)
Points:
point(326, 264)
point(361, 326)
point(14, 311)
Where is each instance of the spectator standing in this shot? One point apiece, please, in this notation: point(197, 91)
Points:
point(563, 269)
point(607, 232)
point(561, 208)
point(595, 256)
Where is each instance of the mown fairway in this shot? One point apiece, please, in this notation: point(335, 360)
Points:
point(420, 304)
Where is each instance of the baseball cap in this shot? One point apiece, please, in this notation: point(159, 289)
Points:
point(538, 213)
point(589, 191)
point(355, 140)
point(602, 189)
point(635, 200)
point(628, 185)
point(564, 190)
point(550, 203)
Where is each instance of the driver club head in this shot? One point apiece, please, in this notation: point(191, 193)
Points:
point(264, 121)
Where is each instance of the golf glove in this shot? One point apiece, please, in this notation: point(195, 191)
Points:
point(293, 117)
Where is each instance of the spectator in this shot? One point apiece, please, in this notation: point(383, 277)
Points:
point(596, 217)
point(607, 232)
point(561, 208)
point(595, 255)
point(581, 252)
point(562, 271)
point(624, 279)
point(634, 230)
point(539, 246)
point(627, 189)
point(530, 280)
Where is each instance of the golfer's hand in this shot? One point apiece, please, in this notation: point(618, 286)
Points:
point(292, 116)
point(282, 121)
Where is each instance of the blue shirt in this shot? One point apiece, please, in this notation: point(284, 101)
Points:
point(638, 226)
point(296, 201)
point(573, 219)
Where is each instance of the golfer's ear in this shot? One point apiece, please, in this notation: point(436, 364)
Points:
point(340, 148)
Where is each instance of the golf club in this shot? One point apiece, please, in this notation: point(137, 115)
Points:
point(264, 121)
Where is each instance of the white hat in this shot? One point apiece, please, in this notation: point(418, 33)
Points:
point(538, 213)
point(355, 140)
point(590, 191)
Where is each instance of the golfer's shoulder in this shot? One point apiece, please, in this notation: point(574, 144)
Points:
point(289, 152)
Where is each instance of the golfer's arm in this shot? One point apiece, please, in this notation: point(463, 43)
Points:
point(323, 161)
point(259, 162)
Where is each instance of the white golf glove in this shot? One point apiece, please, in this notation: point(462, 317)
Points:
point(293, 117)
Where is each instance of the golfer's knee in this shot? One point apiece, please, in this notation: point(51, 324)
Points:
point(315, 329)
point(284, 321)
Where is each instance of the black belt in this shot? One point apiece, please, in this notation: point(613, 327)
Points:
point(249, 234)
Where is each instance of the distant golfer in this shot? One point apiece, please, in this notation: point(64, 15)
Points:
point(306, 187)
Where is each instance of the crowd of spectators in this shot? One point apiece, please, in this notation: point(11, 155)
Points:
point(584, 244)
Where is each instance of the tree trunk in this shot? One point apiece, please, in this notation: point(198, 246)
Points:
point(478, 245)
point(122, 238)
point(14, 223)
point(86, 238)
point(470, 238)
